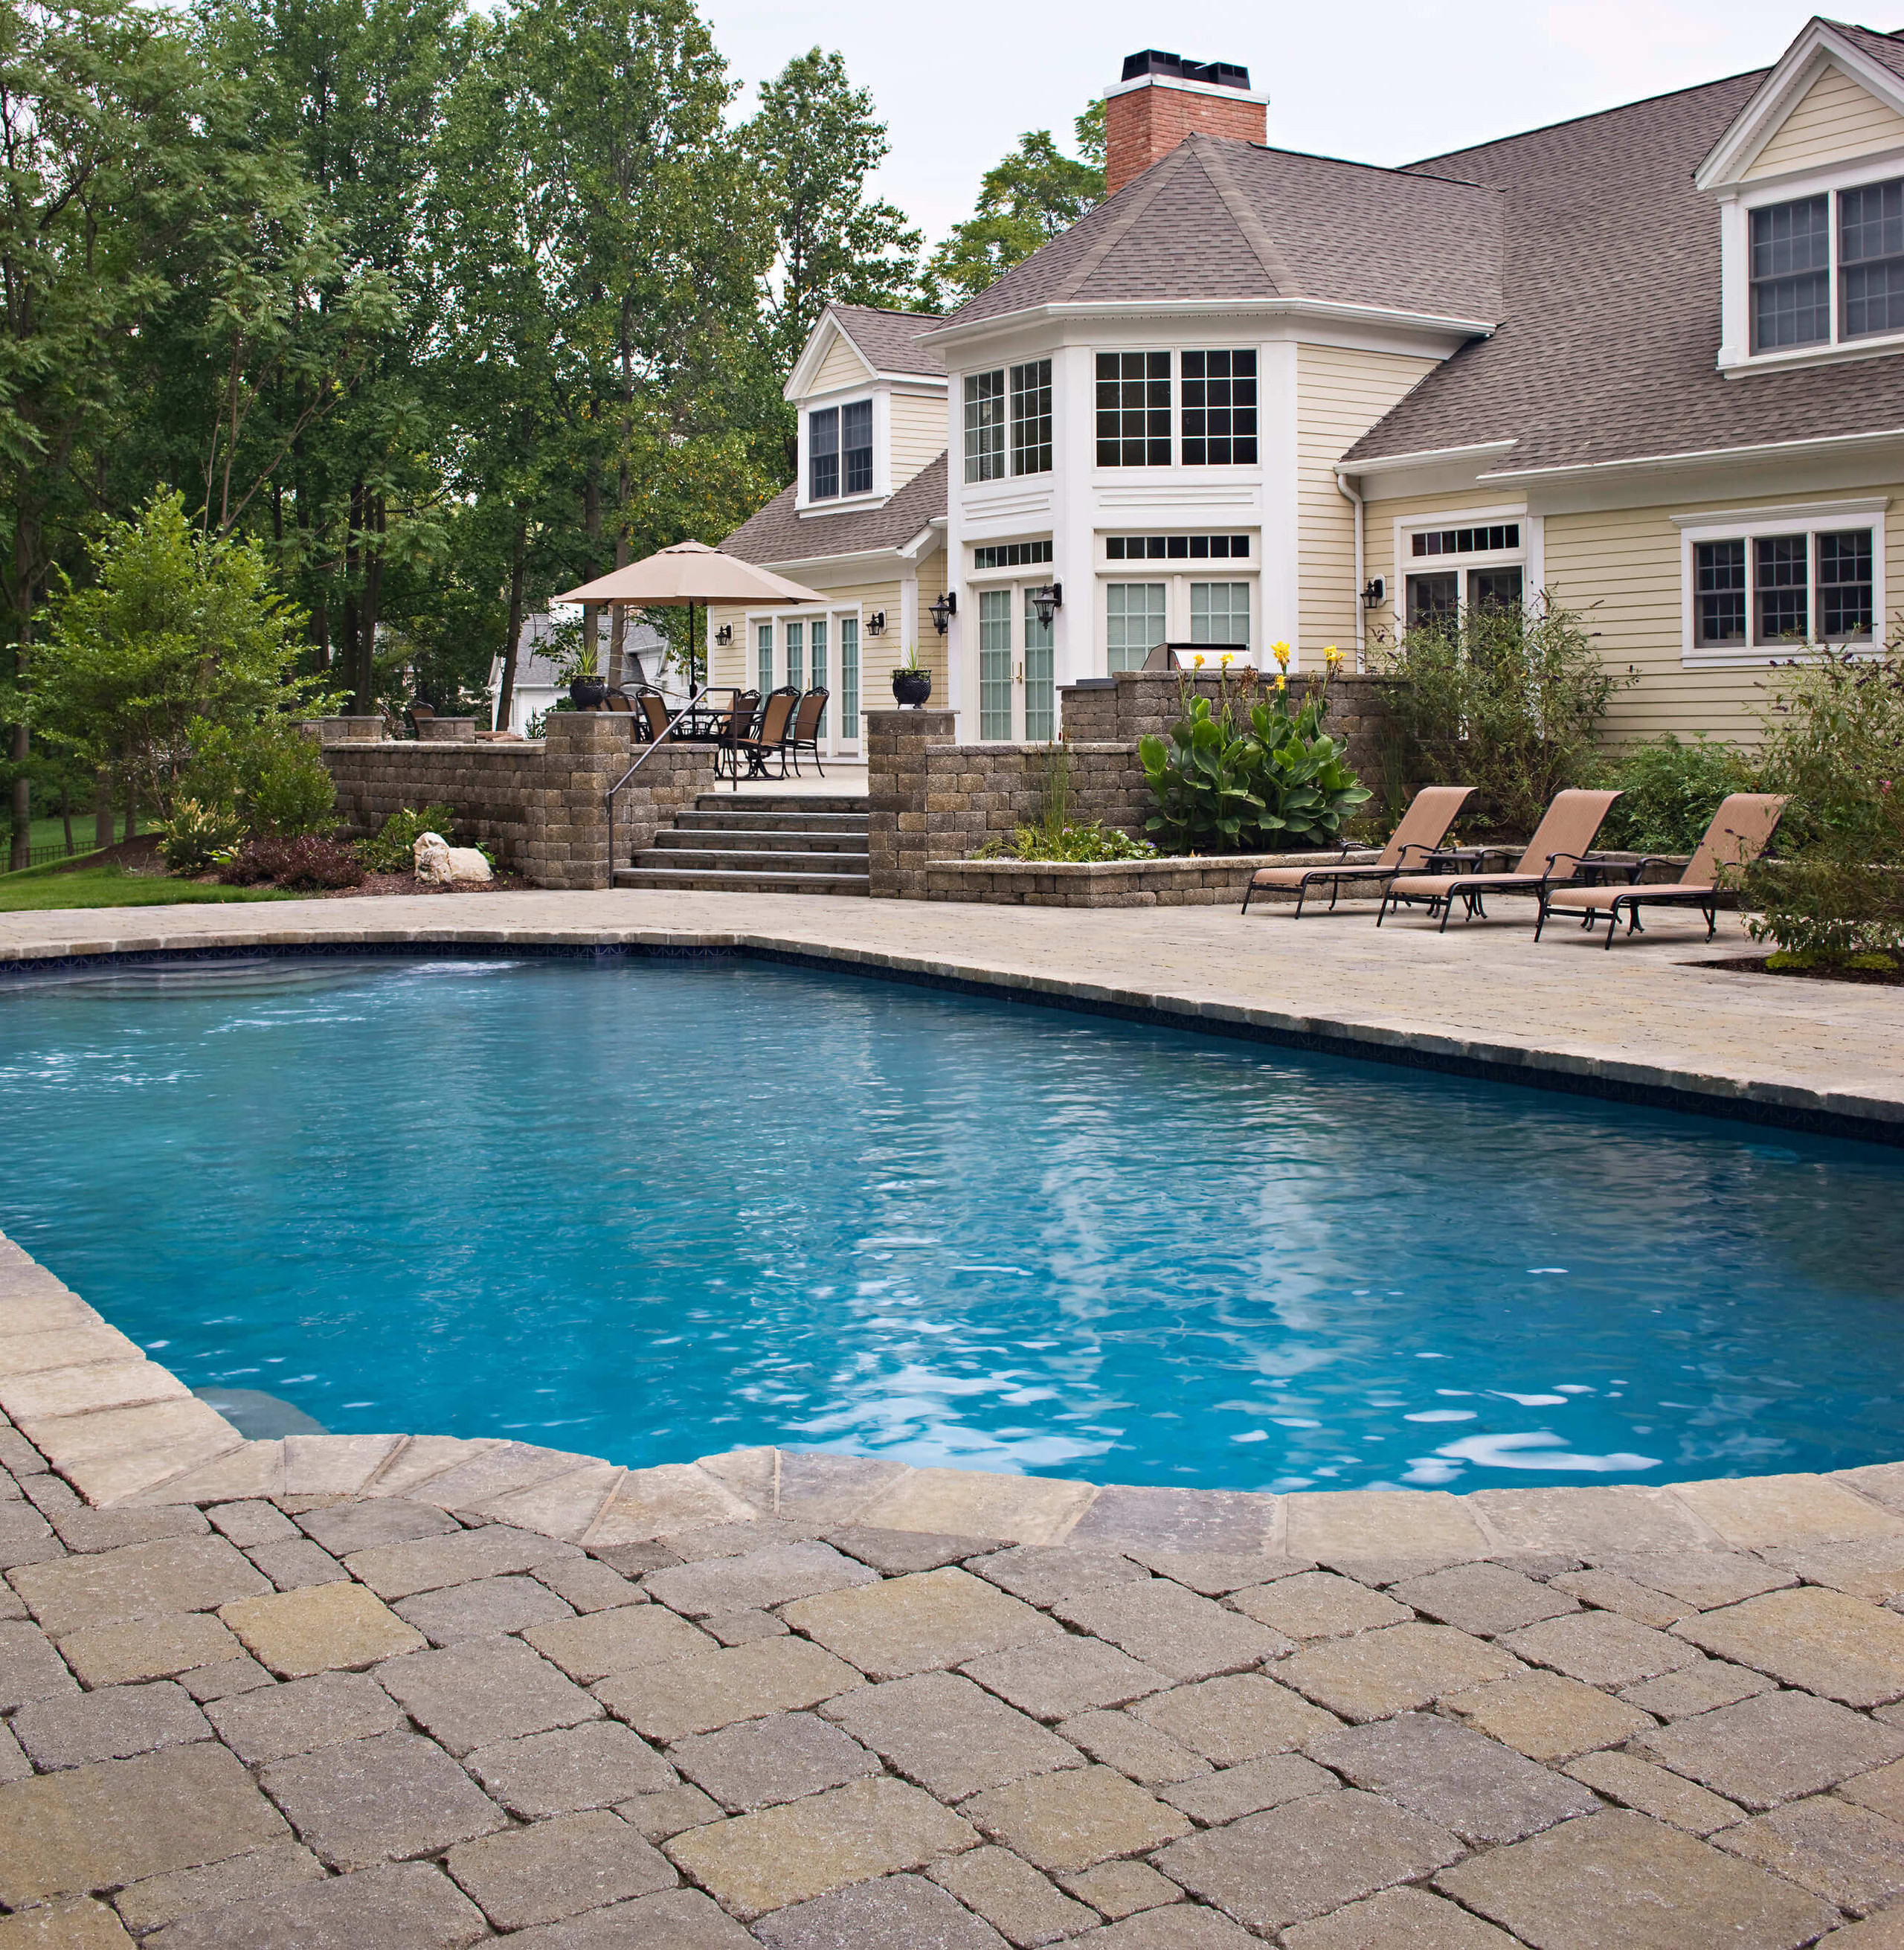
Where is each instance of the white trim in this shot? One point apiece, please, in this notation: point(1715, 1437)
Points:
point(1726, 525)
point(1428, 456)
point(1530, 553)
point(1256, 308)
point(1587, 470)
point(1818, 47)
point(1213, 89)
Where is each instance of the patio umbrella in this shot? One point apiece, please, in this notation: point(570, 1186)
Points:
point(688, 574)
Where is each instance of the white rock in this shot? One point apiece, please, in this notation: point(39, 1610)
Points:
point(440, 864)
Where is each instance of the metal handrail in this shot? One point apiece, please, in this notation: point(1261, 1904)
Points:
point(647, 752)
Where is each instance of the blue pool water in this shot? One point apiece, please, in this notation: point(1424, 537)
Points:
point(649, 1209)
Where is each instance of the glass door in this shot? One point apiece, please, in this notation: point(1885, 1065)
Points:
point(816, 647)
point(994, 665)
point(764, 659)
point(796, 644)
point(849, 676)
point(1041, 695)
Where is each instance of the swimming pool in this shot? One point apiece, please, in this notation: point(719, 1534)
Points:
point(648, 1209)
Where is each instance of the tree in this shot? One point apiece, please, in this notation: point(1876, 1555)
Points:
point(815, 142)
point(179, 627)
point(1023, 202)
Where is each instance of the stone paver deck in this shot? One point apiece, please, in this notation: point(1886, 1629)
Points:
point(417, 1691)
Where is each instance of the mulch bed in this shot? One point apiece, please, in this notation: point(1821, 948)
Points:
point(505, 883)
point(1755, 965)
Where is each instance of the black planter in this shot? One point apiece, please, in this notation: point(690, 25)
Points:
point(587, 693)
point(911, 687)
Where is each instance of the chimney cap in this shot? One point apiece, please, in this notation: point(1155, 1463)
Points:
point(1212, 74)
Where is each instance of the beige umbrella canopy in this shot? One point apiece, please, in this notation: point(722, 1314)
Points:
point(687, 573)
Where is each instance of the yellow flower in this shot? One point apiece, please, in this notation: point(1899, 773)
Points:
point(1332, 656)
point(1227, 660)
point(1282, 682)
point(1196, 662)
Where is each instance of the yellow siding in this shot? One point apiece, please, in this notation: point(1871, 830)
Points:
point(1379, 554)
point(918, 434)
point(1340, 394)
point(842, 366)
point(1837, 122)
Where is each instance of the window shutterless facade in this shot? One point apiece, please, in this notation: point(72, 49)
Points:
point(1762, 588)
point(985, 426)
point(849, 676)
point(856, 446)
point(1219, 613)
point(1133, 410)
point(1134, 623)
point(1219, 408)
point(823, 454)
point(1793, 269)
point(1031, 417)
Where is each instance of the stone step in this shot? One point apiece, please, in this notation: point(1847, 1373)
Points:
point(692, 881)
point(767, 839)
point(840, 823)
point(744, 860)
point(730, 801)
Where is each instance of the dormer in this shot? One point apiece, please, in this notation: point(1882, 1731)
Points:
point(1809, 178)
point(871, 401)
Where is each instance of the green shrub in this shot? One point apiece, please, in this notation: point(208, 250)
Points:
point(1085, 842)
point(192, 839)
point(1669, 791)
point(269, 773)
point(1505, 698)
point(1248, 777)
point(394, 850)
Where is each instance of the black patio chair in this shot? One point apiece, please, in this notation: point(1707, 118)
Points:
point(803, 733)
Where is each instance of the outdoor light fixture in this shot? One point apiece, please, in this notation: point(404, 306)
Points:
point(724, 634)
point(876, 624)
point(1046, 601)
point(943, 610)
point(1372, 593)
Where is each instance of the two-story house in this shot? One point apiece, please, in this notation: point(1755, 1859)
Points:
point(1648, 361)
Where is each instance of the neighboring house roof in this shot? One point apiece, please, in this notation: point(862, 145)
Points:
point(1607, 348)
point(535, 670)
point(778, 534)
point(1220, 219)
point(888, 340)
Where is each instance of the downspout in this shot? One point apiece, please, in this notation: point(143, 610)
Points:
point(1353, 496)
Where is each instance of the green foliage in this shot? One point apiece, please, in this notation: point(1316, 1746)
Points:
point(179, 632)
point(1086, 841)
point(1023, 202)
point(1506, 699)
point(42, 889)
point(306, 864)
point(1670, 791)
point(1247, 776)
point(269, 773)
point(196, 834)
point(394, 850)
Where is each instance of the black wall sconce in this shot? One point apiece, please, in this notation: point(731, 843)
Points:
point(723, 635)
point(942, 610)
point(1372, 593)
point(1046, 601)
point(876, 624)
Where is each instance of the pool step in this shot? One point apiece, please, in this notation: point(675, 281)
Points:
point(771, 845)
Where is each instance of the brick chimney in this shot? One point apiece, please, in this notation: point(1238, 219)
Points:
point(1162, 99)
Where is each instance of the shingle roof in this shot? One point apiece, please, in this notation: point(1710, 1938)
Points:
point(778, 534)
point(1607, 348)
point(1886, 49)
point(890, 340)
point(1218, 218)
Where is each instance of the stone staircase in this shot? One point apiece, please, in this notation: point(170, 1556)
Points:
point(737, 843)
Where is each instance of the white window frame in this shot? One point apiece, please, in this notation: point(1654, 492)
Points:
point(1810, 519)
point(834, 743)
point(1529, 557)
point(803, 500)
point(1735, 355)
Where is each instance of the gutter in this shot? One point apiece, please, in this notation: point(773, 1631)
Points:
point(1268, 305)
point(1822, 444)
point(1350, 494)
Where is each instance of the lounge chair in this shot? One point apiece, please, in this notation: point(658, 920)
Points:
point(1560, 843)
point(1741, 831)
point(1422, 829)
point(653, 708)
point(803, 733)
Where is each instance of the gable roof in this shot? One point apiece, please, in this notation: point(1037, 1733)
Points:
point(1608, 347)
point(888, 340)
point(778, 534)
point(1219, 219)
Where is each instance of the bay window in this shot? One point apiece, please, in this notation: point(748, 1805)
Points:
point(1019, 412)
point(1133, 410)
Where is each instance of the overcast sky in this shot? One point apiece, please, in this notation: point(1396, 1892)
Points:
point(1382, 82)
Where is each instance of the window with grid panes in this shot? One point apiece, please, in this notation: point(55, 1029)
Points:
point(764, 658)
point(1031, 417)
point(856, 446)
point(995, 664)
point(1219, 408)
point(1133, 410)
point(1041, 695)
point(795, 634)
point(1780, 572)
point(823, 454)
point(1718, 593)
point(1219, 613)
point(1791, 274)
point(985, 426)
point(849, 676)
point(817, 653)
point(1133, 617)
point(1870, 259)
point(1844, 585)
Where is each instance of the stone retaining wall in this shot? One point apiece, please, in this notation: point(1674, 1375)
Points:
point(1195, 882)
point(539, 803)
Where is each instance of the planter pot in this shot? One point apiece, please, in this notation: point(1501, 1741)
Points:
point(587, 693)
point(911, 687)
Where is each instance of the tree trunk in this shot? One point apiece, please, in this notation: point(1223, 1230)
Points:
point(102, 809)
point(591, 523)
point(132, 802)
point(66, 811)
point(506, 695)
point(372, 599)
point(20, 850)
point(20, 853)
point(353, 674)
point(619, 616)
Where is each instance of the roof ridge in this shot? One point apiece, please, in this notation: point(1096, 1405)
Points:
point(1149, 187)
point(1210, 159)
point(884, 311)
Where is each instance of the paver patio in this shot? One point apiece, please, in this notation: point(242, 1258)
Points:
point(415, 1691)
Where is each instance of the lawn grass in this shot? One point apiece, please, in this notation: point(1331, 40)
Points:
point(40, 890)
